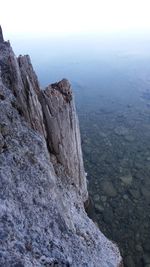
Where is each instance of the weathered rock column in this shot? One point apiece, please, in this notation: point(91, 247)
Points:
point(31, 92)
point(18, 75)
point(1, 35)
point(63, 135)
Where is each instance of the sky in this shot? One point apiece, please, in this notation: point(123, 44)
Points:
point(55, 17)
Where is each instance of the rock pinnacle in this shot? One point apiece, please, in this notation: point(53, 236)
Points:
point(1, 35)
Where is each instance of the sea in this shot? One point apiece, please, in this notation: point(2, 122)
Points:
point(110, 77)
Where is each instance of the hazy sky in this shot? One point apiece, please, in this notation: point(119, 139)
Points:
point(47, 17)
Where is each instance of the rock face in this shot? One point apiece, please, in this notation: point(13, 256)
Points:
point(1, 35)
point(42, 178)
point(63, 136)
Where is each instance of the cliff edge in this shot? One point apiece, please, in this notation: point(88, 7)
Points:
point(42, 177)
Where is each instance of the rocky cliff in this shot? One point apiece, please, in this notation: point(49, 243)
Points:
point(42, 178)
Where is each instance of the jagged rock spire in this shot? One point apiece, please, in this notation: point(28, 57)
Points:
point(63, 134)
point(1, 35)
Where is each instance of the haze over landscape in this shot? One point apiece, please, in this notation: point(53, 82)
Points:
point(103, 48)
point(45, 18)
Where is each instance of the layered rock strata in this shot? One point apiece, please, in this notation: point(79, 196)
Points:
point(42, 177)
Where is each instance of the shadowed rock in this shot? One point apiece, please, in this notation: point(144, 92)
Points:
point(1, 35)
point(30, 94)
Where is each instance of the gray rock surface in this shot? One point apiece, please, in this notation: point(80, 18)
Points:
point(42, 179)
point(1, 35)
point(63, 132)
